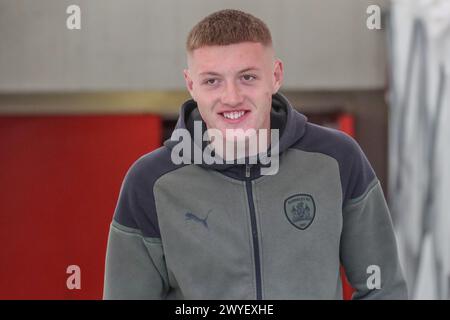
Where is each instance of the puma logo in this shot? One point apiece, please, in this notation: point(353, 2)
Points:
point(191, 216)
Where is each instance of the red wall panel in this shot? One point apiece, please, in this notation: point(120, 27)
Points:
point(59, 182)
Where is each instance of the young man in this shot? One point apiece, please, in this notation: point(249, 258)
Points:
point(225, 230)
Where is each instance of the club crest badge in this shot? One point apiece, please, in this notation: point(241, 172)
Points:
point(300, 210)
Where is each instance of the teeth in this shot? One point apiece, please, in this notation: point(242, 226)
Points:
point(234, 114)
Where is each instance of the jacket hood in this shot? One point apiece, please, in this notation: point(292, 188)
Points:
point(283, 116)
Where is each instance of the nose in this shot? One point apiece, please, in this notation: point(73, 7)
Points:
point(231, 95)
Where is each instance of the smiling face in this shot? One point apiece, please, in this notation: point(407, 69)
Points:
point(233, 84)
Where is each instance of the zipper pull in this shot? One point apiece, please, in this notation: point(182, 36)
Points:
point(247, 170)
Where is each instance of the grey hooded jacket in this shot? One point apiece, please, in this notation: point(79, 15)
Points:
point(224, 231)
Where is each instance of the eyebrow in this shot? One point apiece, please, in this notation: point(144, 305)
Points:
point(211, 73)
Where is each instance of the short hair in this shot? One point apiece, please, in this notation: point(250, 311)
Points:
point(227, 27)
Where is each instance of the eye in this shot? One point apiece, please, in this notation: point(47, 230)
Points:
point(248, 77)
point(211, 82)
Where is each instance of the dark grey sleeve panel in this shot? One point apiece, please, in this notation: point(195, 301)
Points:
point(355, 170)
point(135, 267)
point(368, 248)
point(136, 204)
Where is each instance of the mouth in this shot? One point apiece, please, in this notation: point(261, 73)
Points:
point(235, 116)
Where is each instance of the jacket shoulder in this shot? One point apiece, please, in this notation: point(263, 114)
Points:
point(136, 204)
point(356, 173)
point(152, 164)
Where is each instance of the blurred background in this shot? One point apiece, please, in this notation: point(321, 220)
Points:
point(79, 106)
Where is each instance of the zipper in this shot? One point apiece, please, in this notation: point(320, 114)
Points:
point(247, 170)
point(254, 228)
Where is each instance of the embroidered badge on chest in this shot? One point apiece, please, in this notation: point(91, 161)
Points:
point(300, 210)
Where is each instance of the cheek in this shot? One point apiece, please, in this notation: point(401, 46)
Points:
point(206, 97)
point(258, 93)
point(262, 99)
point(266, 105)
point(266, 99)
point(207, 111)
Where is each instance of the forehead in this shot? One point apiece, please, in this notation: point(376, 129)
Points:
point(230, 57)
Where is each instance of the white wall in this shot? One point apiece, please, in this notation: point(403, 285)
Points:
point(139, 44)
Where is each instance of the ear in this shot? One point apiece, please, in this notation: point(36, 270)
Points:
point(277, 75)
point(189, 82)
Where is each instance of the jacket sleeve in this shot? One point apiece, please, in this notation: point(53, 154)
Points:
point(368, 248)
point(135, 266)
